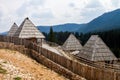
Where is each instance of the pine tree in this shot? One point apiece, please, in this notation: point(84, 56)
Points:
point(51, 35)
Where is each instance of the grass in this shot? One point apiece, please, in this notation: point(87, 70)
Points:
point(3, 71)
point(17, 78)
point(5, 62)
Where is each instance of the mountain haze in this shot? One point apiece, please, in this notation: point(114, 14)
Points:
point(71, 27)
point(107, 21)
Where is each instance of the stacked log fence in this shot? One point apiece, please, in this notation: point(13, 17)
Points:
point(89, 72)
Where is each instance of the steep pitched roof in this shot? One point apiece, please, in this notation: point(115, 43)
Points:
point(12, 30)
point(96, 50)
point(72, 43)
point(28, 30)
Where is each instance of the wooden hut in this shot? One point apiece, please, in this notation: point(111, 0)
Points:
point(12, 30)
point(29, 31)
point(97, 51)
point(72, 44)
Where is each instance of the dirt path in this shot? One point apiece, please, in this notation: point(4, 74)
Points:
point(20, 66)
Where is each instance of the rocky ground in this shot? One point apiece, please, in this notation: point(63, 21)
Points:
point(16, 66)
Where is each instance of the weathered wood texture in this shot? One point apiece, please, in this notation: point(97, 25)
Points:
point(54, 61)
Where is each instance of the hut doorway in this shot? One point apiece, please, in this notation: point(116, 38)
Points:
point(34, 40)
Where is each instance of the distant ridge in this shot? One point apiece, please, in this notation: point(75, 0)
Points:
point(107, 21)
point(4, 33)
point(70, 27)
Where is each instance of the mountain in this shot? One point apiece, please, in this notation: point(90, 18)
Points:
point(71, 27)
point(4, 33)
point(107, 21)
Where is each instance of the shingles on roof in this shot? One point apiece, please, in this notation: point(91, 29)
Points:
point(72, 43)
point(28, 30)
point(12, 30)
point(96, 50)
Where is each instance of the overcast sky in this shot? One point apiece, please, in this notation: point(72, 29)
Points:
point(53, 12)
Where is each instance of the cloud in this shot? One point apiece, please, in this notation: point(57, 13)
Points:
point(94, 4)
point(72, 5)
point(93, 13)
point(110, 5)
point(44, 15)
point(52, 12)
point(93, 9)
point(1, 15)
point(116, 3)
point(29, 6)
point(37, 2)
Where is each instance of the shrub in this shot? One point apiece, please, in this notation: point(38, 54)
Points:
point(17, 78)
point(3, 71)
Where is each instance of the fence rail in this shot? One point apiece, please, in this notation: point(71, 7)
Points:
point(90, 72)
point(51, 43)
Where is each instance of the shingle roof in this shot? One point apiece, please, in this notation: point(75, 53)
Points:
point(72, 43)
point(28, 30)
point(96, 50)
point(12, 30)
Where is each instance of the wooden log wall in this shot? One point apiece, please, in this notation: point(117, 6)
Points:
point(53, 60)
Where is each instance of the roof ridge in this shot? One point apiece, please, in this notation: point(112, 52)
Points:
point(12, 30)
point(28, 30)
point(72, 43)
point(95, 47)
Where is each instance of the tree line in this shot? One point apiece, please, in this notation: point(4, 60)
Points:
point(111, 38)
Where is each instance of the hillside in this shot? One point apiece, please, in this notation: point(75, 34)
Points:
point(4, 33)
point(107, 21)
point(16, 66)
point(71, 27)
